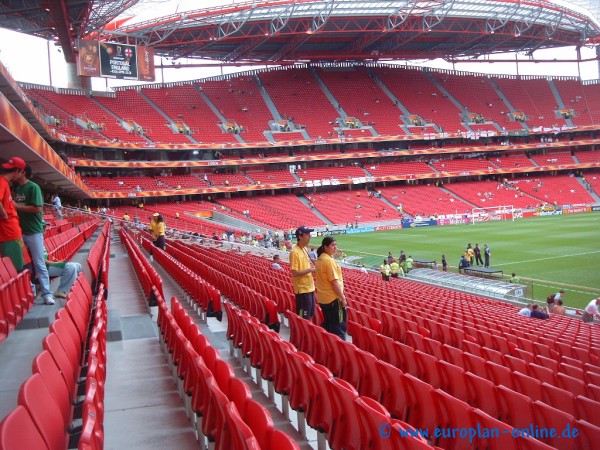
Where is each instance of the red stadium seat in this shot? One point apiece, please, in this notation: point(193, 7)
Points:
point(499, 374)
point(483, 394)
point(517, 409)
point(555, 418)
point(45, 412)
point(454, 414)
point(18, 431)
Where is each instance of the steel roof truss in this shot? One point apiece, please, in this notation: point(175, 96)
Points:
point(498, 22)
point(322, 16)
point(233, 24)
point(437, 15)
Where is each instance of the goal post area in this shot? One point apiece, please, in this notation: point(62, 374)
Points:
point(493, 213)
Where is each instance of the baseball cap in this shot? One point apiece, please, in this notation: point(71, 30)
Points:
point(15, 163)
point(303, 230)
point(155, 215)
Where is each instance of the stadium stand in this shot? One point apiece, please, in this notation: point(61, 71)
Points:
point(423, 98)
point(425, 201)
point(482, 100)
point(532, 97)
point(287, 87)
point(369, 104)
point(239, 100)
point(573, 97)
point(421, 357)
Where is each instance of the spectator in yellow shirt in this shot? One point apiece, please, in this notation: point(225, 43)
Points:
point(330, 288)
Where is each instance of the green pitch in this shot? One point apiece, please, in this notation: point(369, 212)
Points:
point(547, 253)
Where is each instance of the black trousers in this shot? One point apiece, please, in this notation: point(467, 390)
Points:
point(334, 318)
point(160, 242)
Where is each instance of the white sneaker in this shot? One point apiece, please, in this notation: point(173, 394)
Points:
point(48, 300)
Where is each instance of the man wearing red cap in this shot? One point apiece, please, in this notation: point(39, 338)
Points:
point(11, 242)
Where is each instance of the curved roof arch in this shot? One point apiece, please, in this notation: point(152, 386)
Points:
point(346, 30)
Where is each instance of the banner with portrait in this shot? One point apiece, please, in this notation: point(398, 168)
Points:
point(88, 62)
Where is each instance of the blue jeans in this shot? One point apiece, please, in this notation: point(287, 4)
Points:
point(35, 244)
point(68, 275)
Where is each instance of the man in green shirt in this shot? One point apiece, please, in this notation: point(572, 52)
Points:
point(514, 279)
point(30, 205)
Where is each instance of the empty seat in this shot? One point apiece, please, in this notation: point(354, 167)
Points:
point(453, 380)
point(516, 364)
point(454, 414)
point(503, 440)
point(428, 369)
point(543, 374)
point(516, 409)
point(453, 355)
point(19, 432)
point(573, 385)
point(483, 394)
point(475, 364)
point(587, 410)
point(558, 420)
point(45, 412)
point(499, 374)
point(394, 398)
point(421, 414)
point(532, 387)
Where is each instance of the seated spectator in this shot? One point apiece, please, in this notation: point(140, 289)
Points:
point(559, 309)
point(462, 264)
point(540, 313)
point(276, 264)
point(514, 279)
point(558, 296)
point(526, 311)
point(67, 271)
point(591, 310)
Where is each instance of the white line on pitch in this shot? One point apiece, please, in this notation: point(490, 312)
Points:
point(549, 257)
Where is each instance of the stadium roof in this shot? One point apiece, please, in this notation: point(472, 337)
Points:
point(348, 30)
point(279, 31)
point(62, 21)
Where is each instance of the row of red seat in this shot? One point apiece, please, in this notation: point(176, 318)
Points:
point(448, 371)
point(329, 405)
point(428, 407)
point(253, 272)
point(98, 258)
point(220, 405)
point(459, 309)
point(16, 296)
point(221, 278)
point(67, 382)
point(205, 297)
point(575, 341)
point(145, 272)
point(494, 348)
point(55, 227)
point(499, 337)
point(65, 245)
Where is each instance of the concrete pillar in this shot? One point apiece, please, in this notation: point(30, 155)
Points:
point(75, 81)
point(598, 62)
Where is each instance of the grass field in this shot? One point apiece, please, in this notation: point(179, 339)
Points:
point(547, 253)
